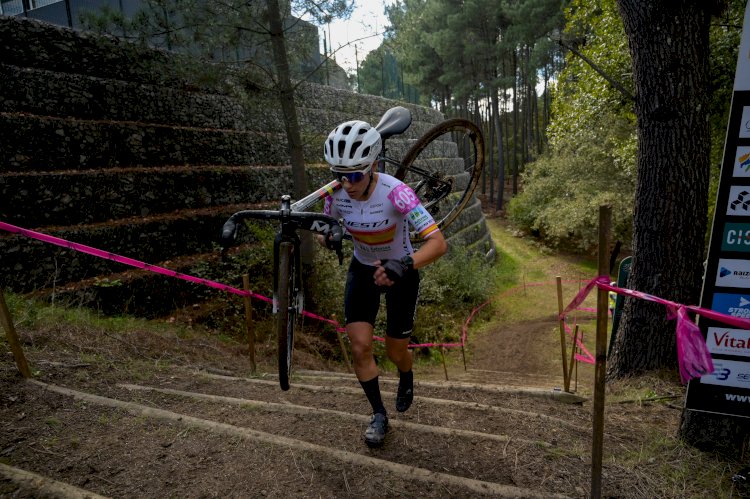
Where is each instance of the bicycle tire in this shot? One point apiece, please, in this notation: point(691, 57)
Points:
point(463, 178)
point(286, 312)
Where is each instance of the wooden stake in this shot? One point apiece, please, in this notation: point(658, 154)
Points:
point(573, 355)
point(445, 368)
point(605, 217)
point(563, 347)
point(249, 322)
point(579, 351)
point(344, 351)
point(10, 333)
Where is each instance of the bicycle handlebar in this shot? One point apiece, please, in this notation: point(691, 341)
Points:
point(290, 220)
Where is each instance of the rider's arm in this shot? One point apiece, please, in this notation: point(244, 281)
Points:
point(433, 248)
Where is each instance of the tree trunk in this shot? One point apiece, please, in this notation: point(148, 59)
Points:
point(530, 82)
point(289, 110)
point(500, 158)
point(669, 47)
point(516, 102)
point(286, 98)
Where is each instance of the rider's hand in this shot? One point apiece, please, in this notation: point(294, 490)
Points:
point(394, 270)
point(326, 240)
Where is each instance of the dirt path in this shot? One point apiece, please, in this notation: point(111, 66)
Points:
point(137, 426)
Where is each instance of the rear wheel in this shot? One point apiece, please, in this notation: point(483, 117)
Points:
point(443, 167)
point(286, 311)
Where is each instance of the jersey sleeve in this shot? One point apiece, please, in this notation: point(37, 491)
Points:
point(407, 203)
point(422, 222)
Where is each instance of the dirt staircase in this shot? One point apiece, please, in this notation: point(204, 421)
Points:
point(183, 432)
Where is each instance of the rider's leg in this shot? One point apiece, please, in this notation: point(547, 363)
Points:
point(360, 336)
point(399, 353)
point(401, 301)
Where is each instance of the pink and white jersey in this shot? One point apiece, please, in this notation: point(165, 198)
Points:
point(380, 225)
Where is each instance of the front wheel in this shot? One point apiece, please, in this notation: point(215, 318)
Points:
point(286, 311)
point(443, 167)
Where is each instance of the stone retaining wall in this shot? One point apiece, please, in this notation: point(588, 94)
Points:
point(109, 144)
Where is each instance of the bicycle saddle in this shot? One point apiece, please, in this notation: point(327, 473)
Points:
point(395, 121)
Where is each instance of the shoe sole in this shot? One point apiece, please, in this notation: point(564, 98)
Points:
point(408, 404)
point(374, 445)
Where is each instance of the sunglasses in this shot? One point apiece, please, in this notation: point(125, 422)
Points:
point(352, 177)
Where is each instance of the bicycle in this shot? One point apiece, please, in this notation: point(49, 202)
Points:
point(433, 181)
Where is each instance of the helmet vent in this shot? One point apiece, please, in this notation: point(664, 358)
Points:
point(355, 148)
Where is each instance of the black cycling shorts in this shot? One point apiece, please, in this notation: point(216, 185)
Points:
point(362, 299)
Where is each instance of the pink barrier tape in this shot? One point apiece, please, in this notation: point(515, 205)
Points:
point(692, 354)
point(179, 275)
point(585, 356)
point(125, 260)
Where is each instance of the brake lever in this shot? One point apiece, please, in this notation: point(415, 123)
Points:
point(228, 233)
point(337, 235)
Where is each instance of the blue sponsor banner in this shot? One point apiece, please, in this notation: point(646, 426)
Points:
point(736, 237)
point(735, 305)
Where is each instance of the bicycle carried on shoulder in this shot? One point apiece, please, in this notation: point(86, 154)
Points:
point(443, 168)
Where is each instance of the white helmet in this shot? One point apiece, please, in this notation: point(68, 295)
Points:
point(353, 145)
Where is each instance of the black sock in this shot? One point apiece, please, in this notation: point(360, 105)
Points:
point(372, 391)
point(407, 378)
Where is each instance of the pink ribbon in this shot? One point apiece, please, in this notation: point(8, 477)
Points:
point(692, 354)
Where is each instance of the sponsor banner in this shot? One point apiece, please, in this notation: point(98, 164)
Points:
point(728, 373)
point(742, 162)
point(732, 304)
point(736, 237)
point(745, 123)
point(733, 273)
point(739, 201)
point(725, 341)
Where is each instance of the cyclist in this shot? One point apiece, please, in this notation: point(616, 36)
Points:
point(377, 210)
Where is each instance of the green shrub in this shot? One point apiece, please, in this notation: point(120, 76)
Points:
point(458, 280)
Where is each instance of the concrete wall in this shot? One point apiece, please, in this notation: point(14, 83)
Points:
point(110, 145)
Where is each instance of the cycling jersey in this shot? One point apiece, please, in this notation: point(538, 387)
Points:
point(380, 225)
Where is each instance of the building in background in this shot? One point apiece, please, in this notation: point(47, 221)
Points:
point(69, 13)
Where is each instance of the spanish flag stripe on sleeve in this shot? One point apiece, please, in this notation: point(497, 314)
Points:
point(428, 230)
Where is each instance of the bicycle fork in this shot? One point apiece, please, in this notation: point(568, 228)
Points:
point(297, 305)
